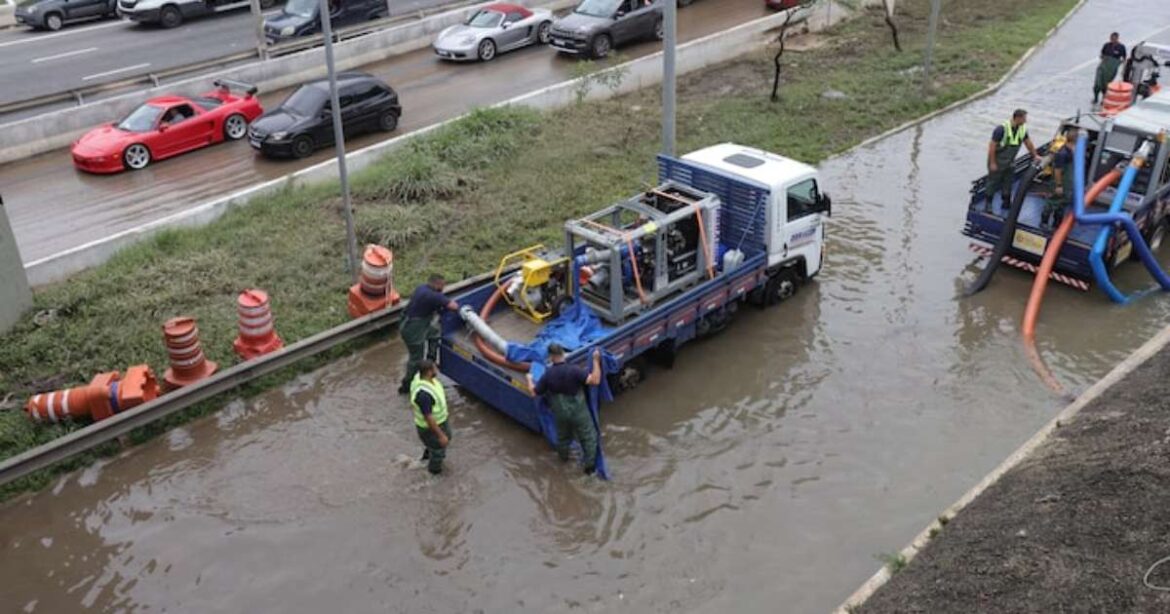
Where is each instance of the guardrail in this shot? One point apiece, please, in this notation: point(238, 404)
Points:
point(107, 430)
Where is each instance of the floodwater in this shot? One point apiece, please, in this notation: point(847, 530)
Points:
point(763, 473)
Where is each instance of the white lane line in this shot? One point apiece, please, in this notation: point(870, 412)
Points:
point(41, 37)
point(64, 55)
point(114, 72)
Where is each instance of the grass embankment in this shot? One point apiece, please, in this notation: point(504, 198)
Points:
point(456, 200)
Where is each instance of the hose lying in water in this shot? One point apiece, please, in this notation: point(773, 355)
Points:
point(1009, 231)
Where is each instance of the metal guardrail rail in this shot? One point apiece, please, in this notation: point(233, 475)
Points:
point(107, 430)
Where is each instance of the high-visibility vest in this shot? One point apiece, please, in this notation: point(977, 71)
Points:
point(435, 389)
point(1013, 139)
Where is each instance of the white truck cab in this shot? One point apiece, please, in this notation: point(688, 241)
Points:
point(796, 209)
point(171, 13)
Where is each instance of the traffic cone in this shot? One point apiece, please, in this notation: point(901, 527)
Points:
point(1118, 98)
point(73, 403)
point(376, 290)
point(138, 387)
point(188, 364)
point(257, 334)
point(105, 395)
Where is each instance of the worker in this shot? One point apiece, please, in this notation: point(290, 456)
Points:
point(563, 387)
point(1112, 55)
point(1062, 181)
point(429, 402)
point(1001, 154)
point(419, 330)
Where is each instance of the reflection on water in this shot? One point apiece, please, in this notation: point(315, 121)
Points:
point(762, 473)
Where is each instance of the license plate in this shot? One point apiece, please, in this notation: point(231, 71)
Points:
point(1029, 242)
point(254, 143)
point(560, 41)
point(443, 54)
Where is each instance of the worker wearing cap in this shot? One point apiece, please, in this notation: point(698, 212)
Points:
point(1062, 181)
point(429, 402)
point(1001, 154)
point(1112, 55)
point(418, 328)
point(563, 385)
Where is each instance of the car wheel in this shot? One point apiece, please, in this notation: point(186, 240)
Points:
point(235, 127)
point(170, 17)
point(487, 50)
point(388, 121)
point(136, 157)
point(658, 31)
point(542, 33)
point(53, 21)
point(303, 146)
point(601, 46)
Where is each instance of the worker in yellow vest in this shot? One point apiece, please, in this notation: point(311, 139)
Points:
point(429, 402)
point(1001, 156)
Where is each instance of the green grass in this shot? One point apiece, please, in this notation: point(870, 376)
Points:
point(894, 562)
point(455, 200)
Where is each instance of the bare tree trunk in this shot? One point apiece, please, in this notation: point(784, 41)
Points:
point(893, 26)
point(780, 51)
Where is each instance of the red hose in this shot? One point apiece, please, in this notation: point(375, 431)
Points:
point(482, 345)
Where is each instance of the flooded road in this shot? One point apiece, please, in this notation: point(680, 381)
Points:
point(761, 474)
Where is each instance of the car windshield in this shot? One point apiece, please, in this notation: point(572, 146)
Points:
point(598, 8)
point(143, 119)
point(306, 102)
point(485, 19)
point(301, 8)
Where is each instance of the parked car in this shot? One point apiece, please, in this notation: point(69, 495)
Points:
point(172, 13)
point(167, 126)
point(303, 123)
point(494, 29)
point(54, 14)
point(595, 27)
point(781, 5)
point(302, 17)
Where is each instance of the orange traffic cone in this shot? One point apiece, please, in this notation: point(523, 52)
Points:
point(257, 334)
point(376, 290)
point(73, 403)
point(1118, 98)
point(138, 387)
point(188, 364)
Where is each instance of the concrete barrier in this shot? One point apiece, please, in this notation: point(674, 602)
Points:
point(642, 72)
point(28, 137)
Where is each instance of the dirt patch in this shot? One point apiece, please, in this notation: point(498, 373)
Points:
point(1073, 528)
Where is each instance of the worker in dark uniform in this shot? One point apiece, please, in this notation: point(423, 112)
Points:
point(1062, 182)
point(429, 402)
point(1112, 55)
point(419, 329)
point(563, 386)
point(1001, 154)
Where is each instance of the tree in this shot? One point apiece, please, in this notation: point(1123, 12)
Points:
point(889, 6)
point(799, 7)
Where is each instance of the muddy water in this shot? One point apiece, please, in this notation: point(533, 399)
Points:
point(761, 474)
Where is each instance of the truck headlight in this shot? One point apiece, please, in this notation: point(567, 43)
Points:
point(288, 30)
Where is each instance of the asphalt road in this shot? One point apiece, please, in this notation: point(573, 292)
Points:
point(37, 63)
point(54, 207)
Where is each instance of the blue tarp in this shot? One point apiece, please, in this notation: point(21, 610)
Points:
point(576, 327)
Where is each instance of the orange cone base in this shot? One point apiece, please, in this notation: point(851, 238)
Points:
point(100, 391)
point(360, 304)
point(175, 380)
point(248, 349)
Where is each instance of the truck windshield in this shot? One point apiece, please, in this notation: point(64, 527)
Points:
point(301, 8)
point(598, 8)
point(143, 119)
point(306, 102)
point(485, 19)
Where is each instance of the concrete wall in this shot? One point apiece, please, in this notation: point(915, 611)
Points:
point(15, 296)
point(35, 135)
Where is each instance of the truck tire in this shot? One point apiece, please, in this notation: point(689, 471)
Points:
point(53, 22)
point(781, 286)
point(170, 17)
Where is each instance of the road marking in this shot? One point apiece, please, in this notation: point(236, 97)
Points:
point(63, 55)
point(42, 37)
point(114, 72)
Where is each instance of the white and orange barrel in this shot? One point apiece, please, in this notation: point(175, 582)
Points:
point(375, 290)
point(257, 331)
point(188, 364)
point(1118, 98)
point(72, 403)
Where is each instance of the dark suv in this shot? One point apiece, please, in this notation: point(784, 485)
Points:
point(303, 123)
point(595, 27)
point(52, 14)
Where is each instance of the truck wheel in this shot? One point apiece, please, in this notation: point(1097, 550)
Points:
point(303, 146)
point(781, 287)
point(601, 46)
point(235, 127)
point(170, 17)
point(53, 22)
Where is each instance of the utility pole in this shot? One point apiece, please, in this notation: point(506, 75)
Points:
point(935, 5)
point(15, 297)
point(261, 41)
point(669, 42)
point(339, 138)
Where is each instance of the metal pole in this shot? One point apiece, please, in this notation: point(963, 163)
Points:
point(935, 5)
point(261, 41)
point(670, 39)
point(339, 138)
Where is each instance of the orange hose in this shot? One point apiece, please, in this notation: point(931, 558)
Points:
point(1040, 284)
point(482, 345)
point(634, 266)
point(706, 248)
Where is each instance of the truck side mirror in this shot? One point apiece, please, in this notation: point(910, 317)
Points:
point(825, 204)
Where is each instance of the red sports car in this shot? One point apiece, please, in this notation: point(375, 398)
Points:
point(782, 4)
point(168, 126)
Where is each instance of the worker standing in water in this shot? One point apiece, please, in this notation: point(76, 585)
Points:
point(419, 329)
point(1062, 181)
point(1001, 154)
point(1112, 55)
point(429, 402)
point(563, 385)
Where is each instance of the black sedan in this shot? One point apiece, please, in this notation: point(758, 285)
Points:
point(303, 123)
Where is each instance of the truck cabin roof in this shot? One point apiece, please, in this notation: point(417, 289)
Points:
point(767, 169)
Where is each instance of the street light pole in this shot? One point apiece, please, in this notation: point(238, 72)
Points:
point(935, 5)
point(339, 138)
point(669, 41)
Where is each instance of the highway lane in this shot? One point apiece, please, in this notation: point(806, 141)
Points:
point(43, 63)
point(53, 207)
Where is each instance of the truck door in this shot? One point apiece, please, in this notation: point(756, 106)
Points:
point(803, 232)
